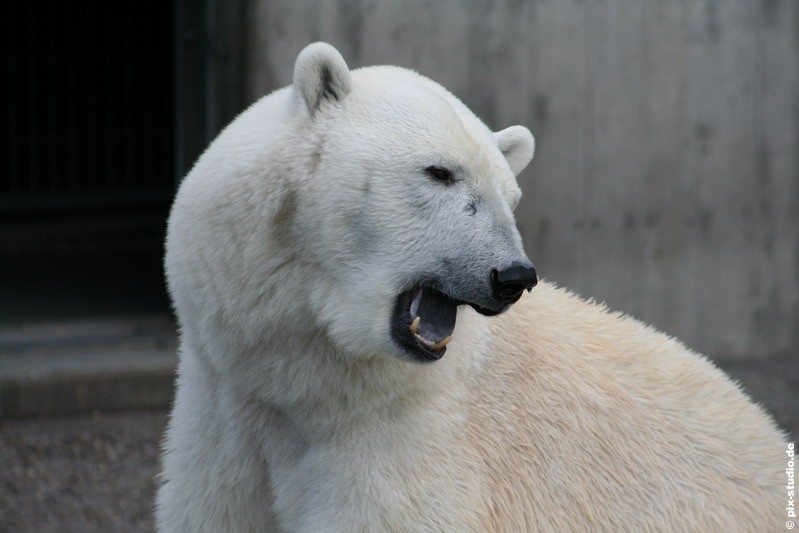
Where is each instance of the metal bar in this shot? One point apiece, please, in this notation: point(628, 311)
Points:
point(32, 107)
point(192, 79)
point(12, 62)
point(89, 124)
point(109, 96)
point(52, 146)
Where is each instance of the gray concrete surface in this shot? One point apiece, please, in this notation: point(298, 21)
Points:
point(666, 177)
point(77, 366)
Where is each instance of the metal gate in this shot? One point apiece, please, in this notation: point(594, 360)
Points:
point(89, 106)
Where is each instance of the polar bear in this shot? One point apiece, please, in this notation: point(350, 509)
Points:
point(361, 351)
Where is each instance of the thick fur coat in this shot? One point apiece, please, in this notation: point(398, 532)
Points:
point(299, 248)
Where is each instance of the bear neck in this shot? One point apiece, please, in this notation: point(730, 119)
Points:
point(295, 370)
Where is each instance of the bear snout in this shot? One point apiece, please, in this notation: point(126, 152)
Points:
point(508, 284)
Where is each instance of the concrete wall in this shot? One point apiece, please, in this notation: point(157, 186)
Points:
point(666, 180)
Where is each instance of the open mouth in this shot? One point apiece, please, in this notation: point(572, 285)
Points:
point(423, 321)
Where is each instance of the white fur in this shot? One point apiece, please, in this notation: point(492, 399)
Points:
point(287, 246)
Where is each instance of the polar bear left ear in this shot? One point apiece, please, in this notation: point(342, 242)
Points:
point(320, 73)
point(517, 145)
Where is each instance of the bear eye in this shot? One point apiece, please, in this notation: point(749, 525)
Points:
point(440, 174)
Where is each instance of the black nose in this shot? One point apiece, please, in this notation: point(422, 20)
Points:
point(509, 283)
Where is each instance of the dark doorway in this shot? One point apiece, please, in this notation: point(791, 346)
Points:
point(89, 154)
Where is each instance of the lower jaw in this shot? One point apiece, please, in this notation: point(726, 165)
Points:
point(414, 352)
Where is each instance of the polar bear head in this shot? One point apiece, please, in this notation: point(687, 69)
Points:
point(404, 205)
point(361, 209)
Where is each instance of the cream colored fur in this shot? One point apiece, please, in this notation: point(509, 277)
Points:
point(287, 245)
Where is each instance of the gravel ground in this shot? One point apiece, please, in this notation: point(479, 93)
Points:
point(79, 474)
point(96, 473)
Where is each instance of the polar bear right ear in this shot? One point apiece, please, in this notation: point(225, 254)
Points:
point(320, 73)
point(517, 145)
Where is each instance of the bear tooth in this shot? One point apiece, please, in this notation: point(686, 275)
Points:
point(414, 327)
point(443, 342)
point(424, 341)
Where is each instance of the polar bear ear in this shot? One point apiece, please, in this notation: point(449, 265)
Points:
point(320, 73)
point(517, 145)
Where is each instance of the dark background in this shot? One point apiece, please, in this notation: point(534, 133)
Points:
point(89, 148)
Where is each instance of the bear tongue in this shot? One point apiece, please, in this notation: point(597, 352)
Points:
point(437, 314)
